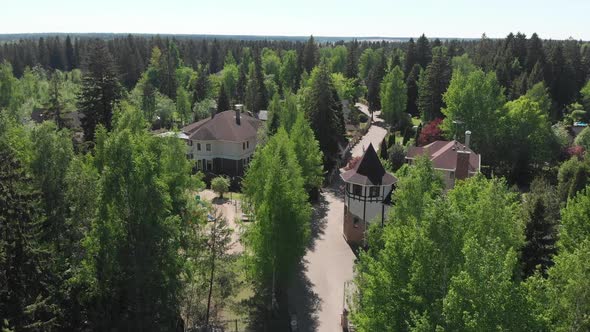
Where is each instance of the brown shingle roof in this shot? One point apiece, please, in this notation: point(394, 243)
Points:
point(369, 171)
point(223, 127)
point(443, 155)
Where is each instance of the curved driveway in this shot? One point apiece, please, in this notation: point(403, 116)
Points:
point(317, 296)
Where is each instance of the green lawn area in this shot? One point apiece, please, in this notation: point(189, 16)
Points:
point(416, 121)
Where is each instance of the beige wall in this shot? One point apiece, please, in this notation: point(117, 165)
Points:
point(222, 149)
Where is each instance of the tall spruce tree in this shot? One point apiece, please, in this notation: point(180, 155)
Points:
point(222, 100)
point(412, 85)
point(411, 58)
point(311, 55)
point(100, 90)
point(26, 295)
point(423, 51)
point(434, 81)
point(324, 111)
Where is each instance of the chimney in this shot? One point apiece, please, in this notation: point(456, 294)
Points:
point(467, 138)
point(462, 170)
point(238, 108)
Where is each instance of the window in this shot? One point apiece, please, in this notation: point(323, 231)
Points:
point(244, 146)
point(190, 142)
point(199, 164)
point(208, 147)
point(198, 146)
point(247, 144)
point(374, 191)
point(209, 165)
point(357, 190)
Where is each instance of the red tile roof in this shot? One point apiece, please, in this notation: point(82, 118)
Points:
point(223, 127)
point(443, 155)
point(369, 171)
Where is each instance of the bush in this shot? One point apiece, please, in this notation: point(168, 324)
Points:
point(220, 185)
point(583, 139)
point(430, 133)
point(397, 157)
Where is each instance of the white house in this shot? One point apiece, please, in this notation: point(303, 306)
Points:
point(223, 143)
point(368, 189)
point(454, 160)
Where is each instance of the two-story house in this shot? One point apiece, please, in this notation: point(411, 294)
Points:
point(454, 160)
point(223, 143)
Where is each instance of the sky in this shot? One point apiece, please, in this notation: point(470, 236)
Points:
point(361, 18)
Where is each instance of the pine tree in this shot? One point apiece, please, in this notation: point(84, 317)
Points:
point(100, 90)
point(352, 60)
point(376, 75)
point(534, 52)
point(311, 55)
point(423, 51)
point(541, 208)
point(222, 100)
point(26, 298)
point(201, 84)
point(411, 59)
point(55, 100)
point(70, 56)
point(383, 150)
point(412, 84)
point(434, 81)
point(324, 112)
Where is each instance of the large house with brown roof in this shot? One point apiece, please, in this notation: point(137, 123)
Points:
point(454, 160)
point(368, 189)
point(223, 143)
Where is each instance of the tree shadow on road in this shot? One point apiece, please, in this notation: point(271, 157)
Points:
point(304, 302)
point(318, 221)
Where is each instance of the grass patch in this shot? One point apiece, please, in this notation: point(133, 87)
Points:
point(416, 121)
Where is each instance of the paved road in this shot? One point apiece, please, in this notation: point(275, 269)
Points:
point(317, 296)
point(375, 134)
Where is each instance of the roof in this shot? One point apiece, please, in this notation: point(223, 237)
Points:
point(223, 127)
point(369, 171)
point(443, 155)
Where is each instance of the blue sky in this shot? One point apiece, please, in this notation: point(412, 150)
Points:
point(443, 18)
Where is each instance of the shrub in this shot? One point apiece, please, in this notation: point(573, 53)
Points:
point(431, 132)
point(220, 185)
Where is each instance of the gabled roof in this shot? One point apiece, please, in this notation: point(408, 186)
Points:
point(443, 155)
point(223, 127)
point(369, 171)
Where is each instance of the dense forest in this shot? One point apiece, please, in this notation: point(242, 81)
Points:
point(100, 229)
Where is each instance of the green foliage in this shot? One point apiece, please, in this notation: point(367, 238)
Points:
point(540, 94)
point(585, 92)
point(474, 99)
point(133, 247)
point(322, 108)
point(347, 88)
point(393, 97)
point(583, 139)
point(541, 215)
point(446, 262)
point(183, 105)
point(100, 91)
point(274, 187)
point(434, 81)
point(288, 72)
point(202, 109)
point(573, 176)
point(27, 280)
point(575, 221)
point(308, 153)
point(220, 185)
point(397, 156)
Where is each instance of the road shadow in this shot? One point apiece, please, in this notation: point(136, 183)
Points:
point(303, 301)
point(319, 221)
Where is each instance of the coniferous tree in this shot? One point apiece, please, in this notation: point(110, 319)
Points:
point(100, 91)
point(352, 60)
point(433, 82)
point(201, 85)
point(534, 52)
point(411, 58)
point(69, 54)
point(374, 80)
point(412, 85)
point(324, 111)
point(423, 51)
point(222, 100)
point(26, 296)
point(311, 55)
point(541, 213)
point(274, 114)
